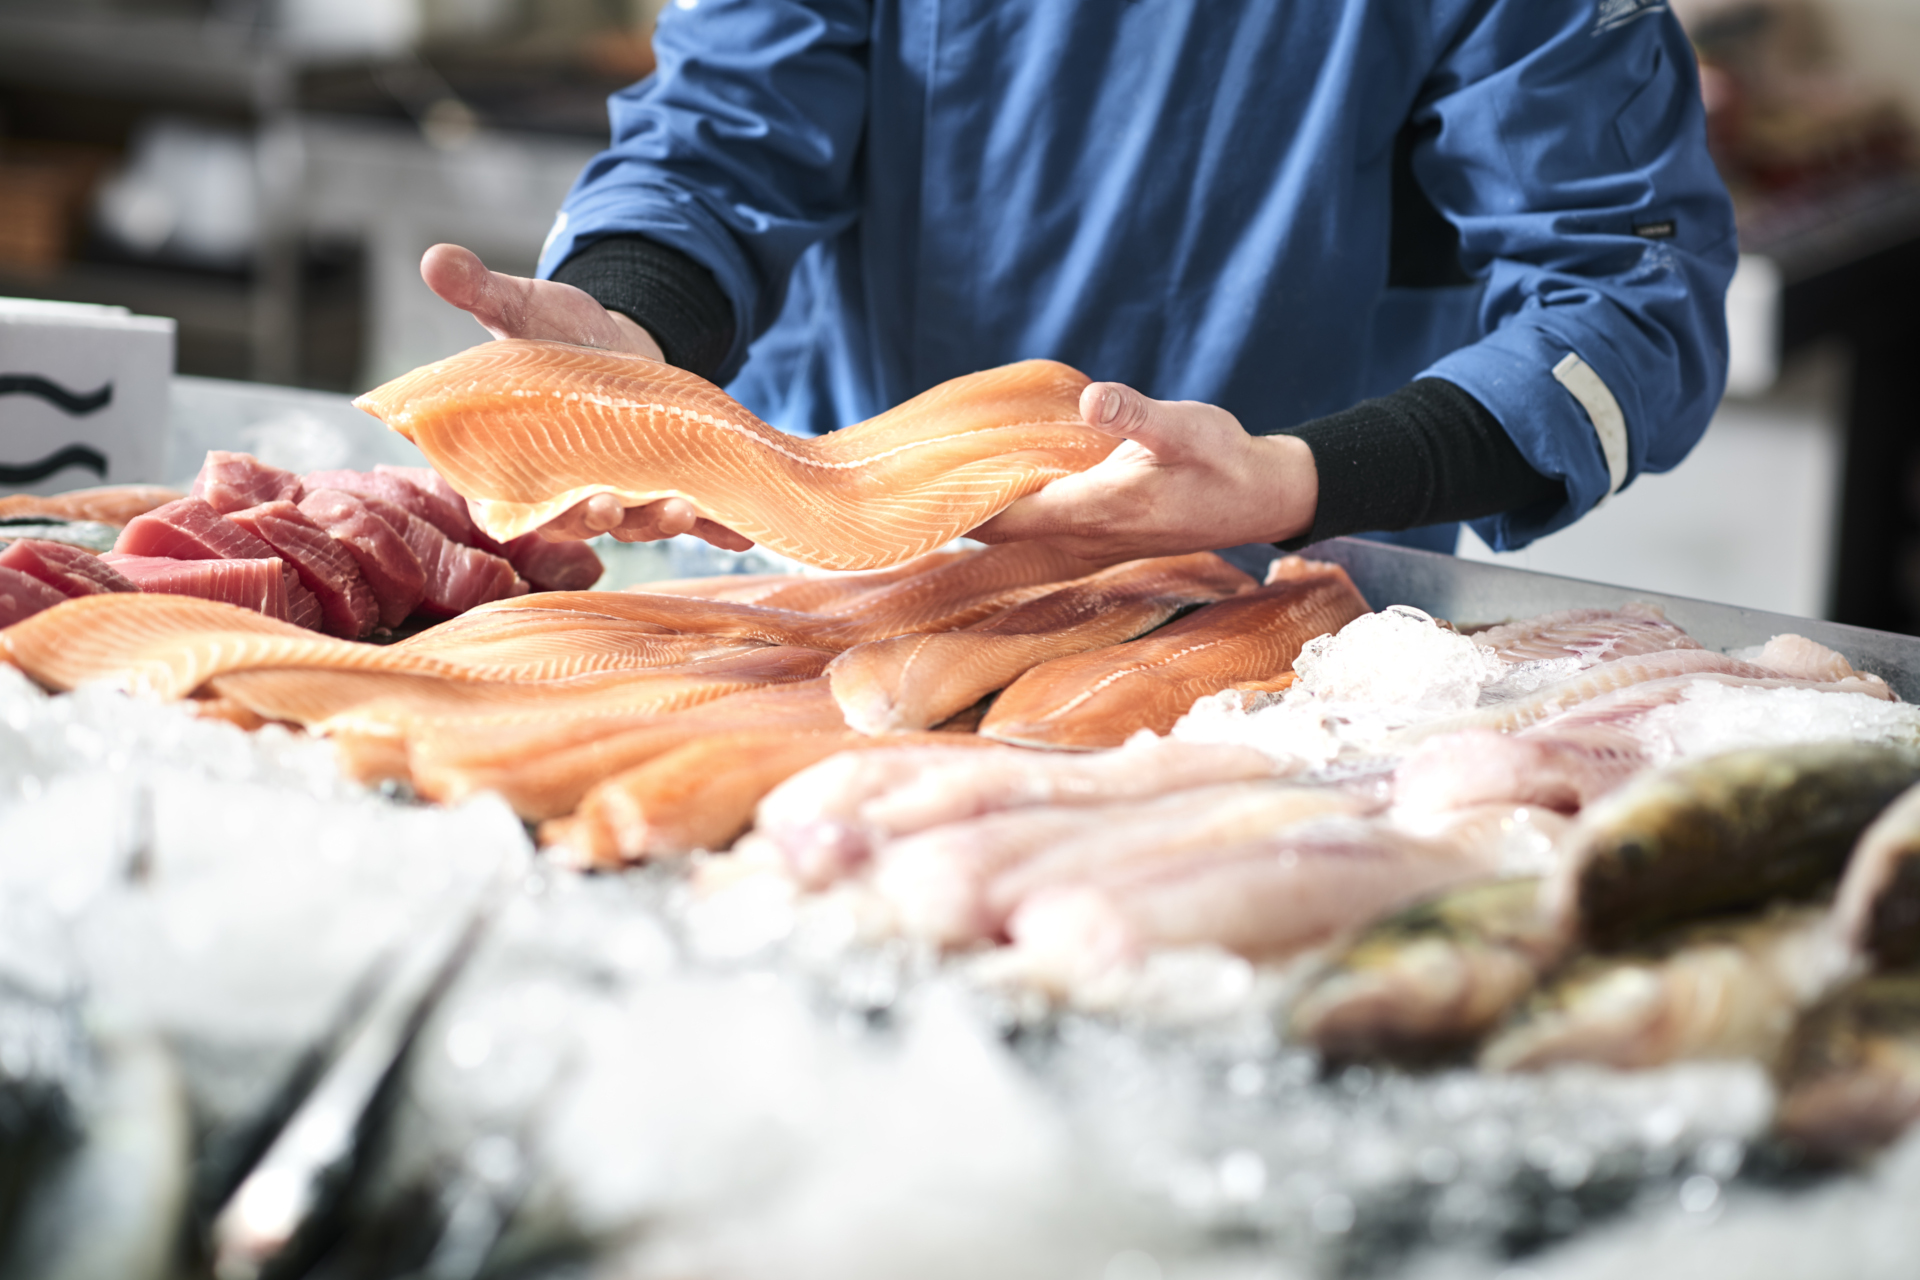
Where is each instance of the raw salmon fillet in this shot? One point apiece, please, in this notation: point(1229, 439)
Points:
point(348, 607)
point(395, 703)
point(908, 683)
point(698, 796)
point(109, 504)
point(1101, 698)
point(527, 429)
point(534, 644)
point(543, 769)
point(69, 570)
point(23, 597)
point(167, 646)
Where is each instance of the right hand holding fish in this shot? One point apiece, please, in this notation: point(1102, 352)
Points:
point(516, 307)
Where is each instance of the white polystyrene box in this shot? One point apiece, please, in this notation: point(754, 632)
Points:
point(83, 396)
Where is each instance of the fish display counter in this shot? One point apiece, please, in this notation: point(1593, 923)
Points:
point(954, 918)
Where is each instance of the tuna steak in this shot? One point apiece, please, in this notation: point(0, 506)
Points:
point(67, 569)
point(347, 604)
point(457, 577)
point(22, 596)
point(388, 564)
point(259, 583)
point(231, 482)
point(189, 529)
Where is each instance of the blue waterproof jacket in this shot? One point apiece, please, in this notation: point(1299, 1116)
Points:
point(1193, 197)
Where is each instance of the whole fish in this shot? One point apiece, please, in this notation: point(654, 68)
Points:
point(1711, 991)
point(1264, 899)
point(909, 683)
point(958, 883)
point(1432, 979)
point(1849, 1080)
point(1877, 909)
point(526, 429)
point(1721, 834)
point(1100, 699)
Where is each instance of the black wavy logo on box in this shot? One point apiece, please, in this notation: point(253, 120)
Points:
point(32, 384)
point(73, 455)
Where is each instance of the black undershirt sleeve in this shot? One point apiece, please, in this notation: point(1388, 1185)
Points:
point(663, 291)
point(1428, 453)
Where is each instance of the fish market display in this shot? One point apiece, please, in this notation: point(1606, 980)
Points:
point(908, 683)
point(22, 596)
point(525, 430)
point(1100, 699)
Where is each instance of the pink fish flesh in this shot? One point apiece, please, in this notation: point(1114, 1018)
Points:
point(257, 584)
point(230, 482)
point(22, 596)
point(67, 569)
point(348, 607)
point(388, 564)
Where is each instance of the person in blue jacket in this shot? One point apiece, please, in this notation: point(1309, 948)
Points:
point(1336, 265)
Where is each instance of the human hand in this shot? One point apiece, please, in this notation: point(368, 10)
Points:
point(515, 307)
point(1186, 477)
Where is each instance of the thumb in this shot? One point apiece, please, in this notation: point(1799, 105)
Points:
point(1159, 426)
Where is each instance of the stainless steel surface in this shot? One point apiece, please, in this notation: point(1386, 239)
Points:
point(1468, 593)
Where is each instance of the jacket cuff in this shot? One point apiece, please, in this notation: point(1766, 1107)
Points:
point(1426, 454)
point(663, 291)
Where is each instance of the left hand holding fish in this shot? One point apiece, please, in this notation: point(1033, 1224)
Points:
point(1187, 477)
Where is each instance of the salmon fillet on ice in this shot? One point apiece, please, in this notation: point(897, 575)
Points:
point(526, 429)
point(1101, 698)
point(167, 646)
point(108, 504)
point(909, 683)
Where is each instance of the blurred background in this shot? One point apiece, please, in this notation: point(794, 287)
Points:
point(267, 173)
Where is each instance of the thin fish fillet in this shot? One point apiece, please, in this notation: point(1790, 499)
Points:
point(538, 645)
point(168, 646)
point(527, 429)
point(909, 683)
point(396, 703)
point(958, 884)
point(1264, 899)
point(841, 592)
point(108, 504)
point(1102, 698)
point(719, 587)
point(1612, 677)
point(697, 796)
point(543, 768)
point(1592, 635)
point(950, 595)
point(836, 812)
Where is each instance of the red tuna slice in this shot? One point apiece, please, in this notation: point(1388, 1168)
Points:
point(258, 584)
point(554, 566)
point(348, 607)
point(369, 486)
point(189, 529)
point(386, 561)
point(22, 596)
point(67, 569)
point(447, 510)
point(231, 482)
point(458, 578)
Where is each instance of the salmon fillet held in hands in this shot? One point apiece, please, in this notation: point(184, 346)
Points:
point(524, 430)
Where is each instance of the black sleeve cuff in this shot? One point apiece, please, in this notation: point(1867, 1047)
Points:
point(1428, 453)
point(663, 291)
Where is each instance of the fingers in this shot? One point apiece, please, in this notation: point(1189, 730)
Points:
point(1170, 429)
point(650, 522)
point(515, 307)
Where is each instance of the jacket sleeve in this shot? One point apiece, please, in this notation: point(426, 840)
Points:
point(739, 151)
point(1567, 142)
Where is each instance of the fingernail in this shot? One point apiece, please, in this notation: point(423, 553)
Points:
point(1109, 406)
